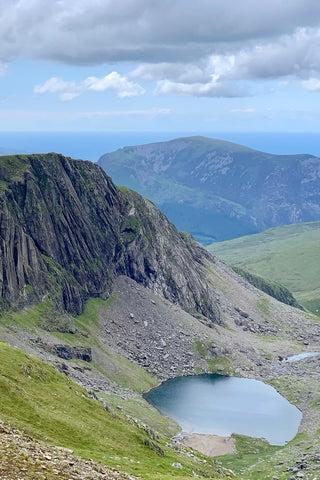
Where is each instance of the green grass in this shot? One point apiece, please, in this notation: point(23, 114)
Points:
point(30, 317)
point(12, 168)
point(48, 406)
point(273, 289)
point(140, 409)
point(263, 305)
point(219, 365)
point(113, 366)
point(201, 348)
point(288, 255)
point(250, 452)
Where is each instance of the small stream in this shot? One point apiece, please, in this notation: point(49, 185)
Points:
point(300, 356)
point(221, 405)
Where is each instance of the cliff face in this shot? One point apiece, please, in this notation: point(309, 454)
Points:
point(67, 231)
point(218, 190)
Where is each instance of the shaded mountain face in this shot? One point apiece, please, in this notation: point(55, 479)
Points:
point(219, 190)
point(66, 231)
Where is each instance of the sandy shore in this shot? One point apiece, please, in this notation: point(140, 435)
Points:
point(210, 445)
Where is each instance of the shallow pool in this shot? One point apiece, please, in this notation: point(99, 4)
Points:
point(223, 405)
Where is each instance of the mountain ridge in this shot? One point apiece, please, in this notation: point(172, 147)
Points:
point(64, 222)
point(220, 190)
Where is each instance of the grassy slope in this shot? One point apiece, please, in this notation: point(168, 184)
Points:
point(111, 365)
point(289, 255)
point(48, 406)
point(269, 287)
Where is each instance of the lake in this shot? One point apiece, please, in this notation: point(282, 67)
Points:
point(221, 405)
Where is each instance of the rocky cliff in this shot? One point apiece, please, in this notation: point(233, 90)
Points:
point(67, 231)
point(219, 190)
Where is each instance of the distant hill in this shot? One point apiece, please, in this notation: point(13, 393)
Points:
point(218, 190)
point(289, 255)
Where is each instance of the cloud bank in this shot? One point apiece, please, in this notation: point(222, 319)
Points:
point(204, 51)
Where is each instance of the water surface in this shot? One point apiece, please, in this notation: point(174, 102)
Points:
point(301, 356)
point(224, 405)
point(91, 145)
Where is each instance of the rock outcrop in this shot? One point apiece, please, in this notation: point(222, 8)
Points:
point(67, 231)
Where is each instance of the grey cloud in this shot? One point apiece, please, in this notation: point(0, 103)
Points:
point(97, 31)
point(296, 55)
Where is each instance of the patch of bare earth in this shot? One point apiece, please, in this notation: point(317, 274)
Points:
point(210, 445)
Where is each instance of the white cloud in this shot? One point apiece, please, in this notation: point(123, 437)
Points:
point(67, 90)
point(226, 74)
point(210, 89)
point(293, 55)
point(313, 84)
point(96, 31)
point(204, 51)
point(115, 82)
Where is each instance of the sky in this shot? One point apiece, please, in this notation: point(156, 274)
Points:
point(151, 65)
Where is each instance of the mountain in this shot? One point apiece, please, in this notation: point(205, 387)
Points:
point(66, 229)
point(101, 300)
point(218, 190)
point(289, 255)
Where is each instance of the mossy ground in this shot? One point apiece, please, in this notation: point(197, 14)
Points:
point(43, 317)
point(47, 405)
point(273, 289)
point(250, 453)
point(12, 168)
point(30, 318)
point(215, 364)
point(138, 408)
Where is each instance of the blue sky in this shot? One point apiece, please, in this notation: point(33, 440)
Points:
point(141, 65)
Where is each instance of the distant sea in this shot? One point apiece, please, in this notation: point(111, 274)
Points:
point(91, 145)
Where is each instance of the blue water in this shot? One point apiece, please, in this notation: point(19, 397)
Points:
point(91, 145)
point(219, 405)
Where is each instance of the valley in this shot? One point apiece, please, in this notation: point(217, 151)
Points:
point(102, 300)
point(159, 240)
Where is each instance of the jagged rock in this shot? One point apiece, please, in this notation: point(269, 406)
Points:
point(65, 229)
point(67, 352)
point(241, 312)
